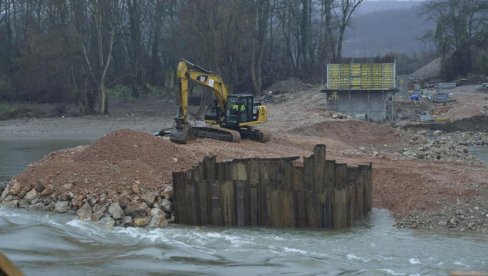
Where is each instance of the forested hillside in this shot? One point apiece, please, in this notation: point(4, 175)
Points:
point(395, 30)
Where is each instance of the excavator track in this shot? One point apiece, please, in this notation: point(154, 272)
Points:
point(217, 133)
point(255, 134)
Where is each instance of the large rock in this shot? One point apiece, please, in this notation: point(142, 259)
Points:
point(24, 203)
point(127, 221)
point(48, 190)
point(166, 205)
point(85, 212)
point(14, 187)
point(168, 192)
point(61, 207)
point(136, 210)
point(98, 211)
point(148, 198)
point(31, 195)
point(157, 218)
point(140, 222)
point(77, 201)
point(5, 193)
point(37, 207)
point(39, 187)
point(136, 187)
point(107, 223)
point(11, 203)
point(116, 211)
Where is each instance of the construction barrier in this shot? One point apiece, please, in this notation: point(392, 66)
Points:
point(273, 192)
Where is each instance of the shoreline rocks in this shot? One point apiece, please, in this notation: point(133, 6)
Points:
point(150, 209)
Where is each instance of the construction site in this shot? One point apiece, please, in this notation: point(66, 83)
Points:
point(427, 178)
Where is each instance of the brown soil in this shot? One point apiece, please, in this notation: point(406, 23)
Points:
point(111, 165)
point(354, 132)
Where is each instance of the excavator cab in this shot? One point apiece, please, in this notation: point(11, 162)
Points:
point(239, 110)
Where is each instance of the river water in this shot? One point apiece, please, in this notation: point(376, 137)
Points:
point(47, 244)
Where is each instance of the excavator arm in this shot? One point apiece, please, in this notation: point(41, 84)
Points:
point(187, 72)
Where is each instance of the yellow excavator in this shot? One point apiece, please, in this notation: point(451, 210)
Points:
point(230, 118)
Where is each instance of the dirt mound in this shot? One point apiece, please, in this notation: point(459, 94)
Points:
point(431, 70)
point(287, 86)
point(354, 132)
point(114, 163)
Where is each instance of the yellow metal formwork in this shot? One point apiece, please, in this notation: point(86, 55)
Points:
point(361, 76)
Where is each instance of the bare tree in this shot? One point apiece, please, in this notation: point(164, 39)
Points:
point(461, 27)
point(261, 12)
point(346, 10)
point(104, 21)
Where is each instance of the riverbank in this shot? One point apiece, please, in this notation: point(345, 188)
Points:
point(427, 178)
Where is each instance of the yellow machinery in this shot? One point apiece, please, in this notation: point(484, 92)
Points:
point(231, 117)
point(7, 267)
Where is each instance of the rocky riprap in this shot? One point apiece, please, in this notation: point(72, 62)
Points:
point(148, 209)
point(431, 145)
point(464, 215)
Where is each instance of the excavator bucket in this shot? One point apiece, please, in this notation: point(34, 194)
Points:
point(181, 134)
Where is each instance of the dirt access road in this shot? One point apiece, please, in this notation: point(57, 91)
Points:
point(432, 194)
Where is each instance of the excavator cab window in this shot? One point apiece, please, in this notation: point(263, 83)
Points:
point(239, 109)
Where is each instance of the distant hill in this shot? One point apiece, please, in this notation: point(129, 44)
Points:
point(397, 29)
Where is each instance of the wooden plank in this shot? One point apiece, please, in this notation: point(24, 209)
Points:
point(247, 203)
point(370, 187)
point(339, 209)
point(253, 171)
point(300, 208)
point(238, 170)
point(220, 171)
point(330, 174)
point(325, 210)
point(179, 186)
point(254, 206)
point(190, 202)
point(341, 176)
point(340, 197)
point(275, 208)
point(297, 178)
point(239, 201)
point(287, 181)
point(277, 174)
point(288, 212)
point(319, 167)
point(308, 173)
point(203, 202)
point(313, 220)
point(263, 210)
point(199, 200)
point(210, 168)
point(264, 173)
point(351, 193)
point(359, 194)
point(269, 206)
point(366, 188)
point(216, 195)
point(228, 203)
